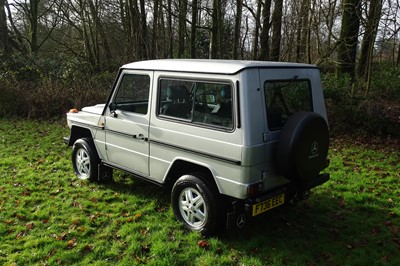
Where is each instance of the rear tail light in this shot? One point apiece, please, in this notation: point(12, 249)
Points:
point(254, 189)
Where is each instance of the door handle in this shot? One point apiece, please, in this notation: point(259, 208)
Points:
point(140, 137)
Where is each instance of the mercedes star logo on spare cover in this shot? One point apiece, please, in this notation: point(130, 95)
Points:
point(314, 148)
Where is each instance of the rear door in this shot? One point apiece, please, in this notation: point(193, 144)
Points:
point(127, 122)
point(285, 92)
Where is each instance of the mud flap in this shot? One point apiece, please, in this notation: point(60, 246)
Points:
point(237, 218)
point(105, 174)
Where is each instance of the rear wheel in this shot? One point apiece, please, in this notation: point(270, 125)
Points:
point(85, 160)
point(194, 204)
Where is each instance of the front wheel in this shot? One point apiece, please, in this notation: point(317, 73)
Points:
point(194, 204)
point(85, 160)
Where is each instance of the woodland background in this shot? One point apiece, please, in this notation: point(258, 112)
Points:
point(58, 54)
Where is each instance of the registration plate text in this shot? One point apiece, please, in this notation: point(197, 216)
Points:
point(268, 204)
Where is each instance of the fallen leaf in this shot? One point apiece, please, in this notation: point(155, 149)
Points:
point(51, 253)
point(29, 226)
point(203, 244)
point(144, 231)
point(72, 243)
point(145, 249)
point(20, 235)
point(77, 204)
point(88, 248)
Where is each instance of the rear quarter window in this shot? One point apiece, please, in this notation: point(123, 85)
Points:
point(202, 103)
point(284, 98)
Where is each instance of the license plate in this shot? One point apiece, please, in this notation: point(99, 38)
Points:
point(268, 204)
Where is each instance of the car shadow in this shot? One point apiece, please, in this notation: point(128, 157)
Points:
point(322, 230)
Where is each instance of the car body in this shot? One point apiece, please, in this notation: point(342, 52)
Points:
point(231, 139)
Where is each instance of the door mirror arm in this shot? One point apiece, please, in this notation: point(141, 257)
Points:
point(113, 107)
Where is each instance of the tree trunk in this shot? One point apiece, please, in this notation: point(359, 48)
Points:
point(33, 25)
point(170, 36)
point(368, 41)
point(302, 31)
point(153, 49)
point(264, 37)
point(143, 38)
point(214, 42)
point(257, 30)
point(347, 50)
point(238, 20)
point(99, 30)
point(5, 48)
point(86, 38)
point(276, 30)
point(182, 27)
point(195, 10)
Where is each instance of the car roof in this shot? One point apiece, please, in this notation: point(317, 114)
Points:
point(213, 66)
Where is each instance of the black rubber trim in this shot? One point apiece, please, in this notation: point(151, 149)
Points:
point(134, 174)
point(239, 122)
point(132, 136)
point(226, 160)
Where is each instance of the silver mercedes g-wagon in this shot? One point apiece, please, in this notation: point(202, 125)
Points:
point(231, 139)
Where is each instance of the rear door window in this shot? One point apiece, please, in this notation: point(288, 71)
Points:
point(284, 98)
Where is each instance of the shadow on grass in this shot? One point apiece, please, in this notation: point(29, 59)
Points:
point(323, 230)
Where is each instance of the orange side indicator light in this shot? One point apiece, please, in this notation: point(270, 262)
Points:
point(73, 110)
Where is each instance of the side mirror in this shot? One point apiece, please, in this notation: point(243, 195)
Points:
point(113, 107)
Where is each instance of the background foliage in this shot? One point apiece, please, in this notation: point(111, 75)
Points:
point(58, 54)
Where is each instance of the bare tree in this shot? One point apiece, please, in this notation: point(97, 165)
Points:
point(368, 41)
point(276, 30)
point(264, 37)
point(238, 20)
point(5, 47)
point(182, 27)
point(347, 50)
point(303, 30)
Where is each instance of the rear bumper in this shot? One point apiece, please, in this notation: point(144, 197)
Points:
point(290, 190)
point(293, 192)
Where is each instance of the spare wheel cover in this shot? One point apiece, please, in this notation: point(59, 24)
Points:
point(303, 146)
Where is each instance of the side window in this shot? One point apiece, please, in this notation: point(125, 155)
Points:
point(175, 99)
point(205, 103)
point(213, 104)
point(284, 98)
point(133, 93)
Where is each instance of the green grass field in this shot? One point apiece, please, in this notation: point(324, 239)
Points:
point(49, 217)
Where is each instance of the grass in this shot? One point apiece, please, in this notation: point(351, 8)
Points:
point(49, 217)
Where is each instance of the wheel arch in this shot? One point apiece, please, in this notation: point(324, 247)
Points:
point(181, 167)
point(78, 132)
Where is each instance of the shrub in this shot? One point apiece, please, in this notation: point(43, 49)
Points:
point(27, 92)
point(352, 112)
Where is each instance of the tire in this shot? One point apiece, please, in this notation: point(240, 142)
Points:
point(85, 160)
point(302, 149)
point(194, 204)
